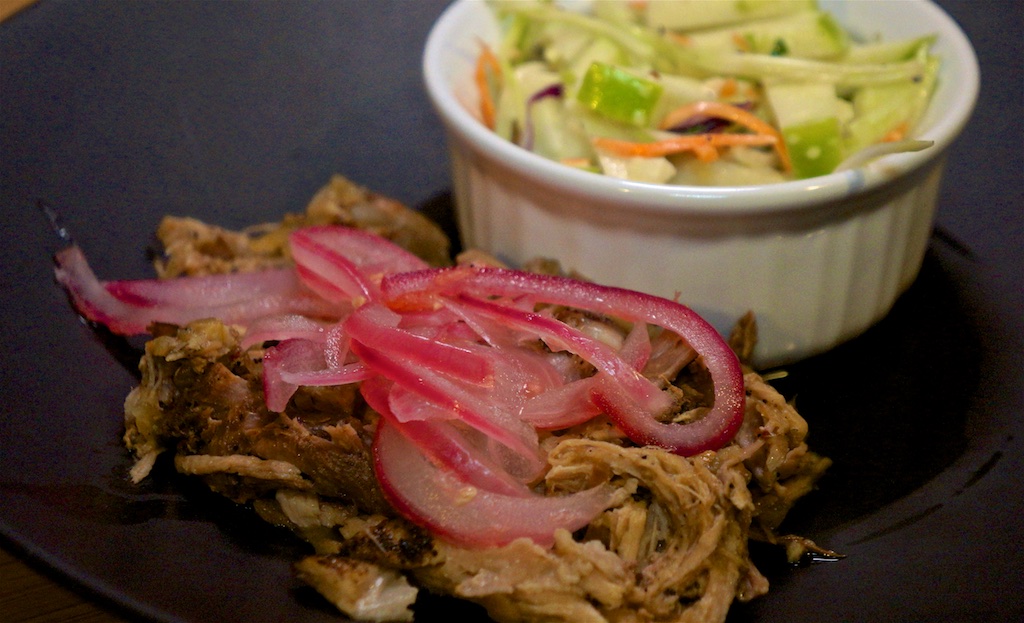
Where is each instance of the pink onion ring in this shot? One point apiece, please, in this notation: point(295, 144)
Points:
point(375, 325)
point(278, 328)
point(347, 262)
point(449, 358)
point(469, 406)
point(455, 510)
point(443, 443)
point(712, 431)
point(128, 308)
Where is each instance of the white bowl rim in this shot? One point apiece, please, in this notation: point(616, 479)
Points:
point(724, 201)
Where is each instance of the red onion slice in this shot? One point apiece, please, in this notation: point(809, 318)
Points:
point(206, 290)
point(717, 426)
point(377, 327)
point(350, 373)
point(560, 336)
point(124, 310)
point(289, 326)
point(449, 359)
point(467, 515)
point(443, 442)
point(469, 406)
point(297, 362)
point(562, 407)
point(409, 409)
point(333, 258)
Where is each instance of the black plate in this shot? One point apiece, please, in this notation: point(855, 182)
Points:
point(116, 113)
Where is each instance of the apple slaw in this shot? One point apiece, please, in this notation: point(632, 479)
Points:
point(691, 92)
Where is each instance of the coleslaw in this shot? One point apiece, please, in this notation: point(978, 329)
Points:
point(698, 92)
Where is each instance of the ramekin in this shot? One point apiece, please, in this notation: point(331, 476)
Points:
point(818, 261)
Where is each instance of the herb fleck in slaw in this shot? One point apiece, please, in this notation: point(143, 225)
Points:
point(700, 92)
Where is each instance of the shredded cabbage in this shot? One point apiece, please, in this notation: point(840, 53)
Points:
point(614, 72)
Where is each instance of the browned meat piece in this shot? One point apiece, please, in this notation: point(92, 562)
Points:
point(201, 395)
point(783, 468)
point(743, 337)
point(363, 590)
point(192, 247)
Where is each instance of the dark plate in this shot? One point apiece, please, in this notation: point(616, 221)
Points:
point(116, 113)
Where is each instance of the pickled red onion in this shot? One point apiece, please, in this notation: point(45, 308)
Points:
point(348, 263)
point(277, 328)
point(468, 515)
point(128, 308)
point(450, 359)
point(712, 431)
point(465, 404)
point(447, 446)
point(377, 326)
point(296, 362)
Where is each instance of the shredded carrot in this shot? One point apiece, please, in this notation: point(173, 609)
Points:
point(704, 146)
point(896, 134)
point(741, 43)
point(680, 38)
point(728, 89)
point(718, 110)
point(486, 61)
point(579, 163)
point(736, 115)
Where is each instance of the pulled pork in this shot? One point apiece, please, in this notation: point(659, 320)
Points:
point(674, 547)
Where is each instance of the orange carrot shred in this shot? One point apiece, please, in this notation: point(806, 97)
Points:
point(704, 146)
point(736, 115)
point(680, 38)
point(896, 134)
point(579, 163)
point(486, 61)
point(740, 42)
point(729, 88)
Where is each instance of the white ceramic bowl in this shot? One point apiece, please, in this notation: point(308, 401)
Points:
point(818, 261)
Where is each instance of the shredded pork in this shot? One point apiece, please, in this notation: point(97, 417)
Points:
point(674, 547)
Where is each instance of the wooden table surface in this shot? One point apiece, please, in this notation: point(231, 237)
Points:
point(10, 7)
point(29, 595)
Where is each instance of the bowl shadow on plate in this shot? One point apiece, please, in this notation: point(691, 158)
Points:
point(889, 407)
